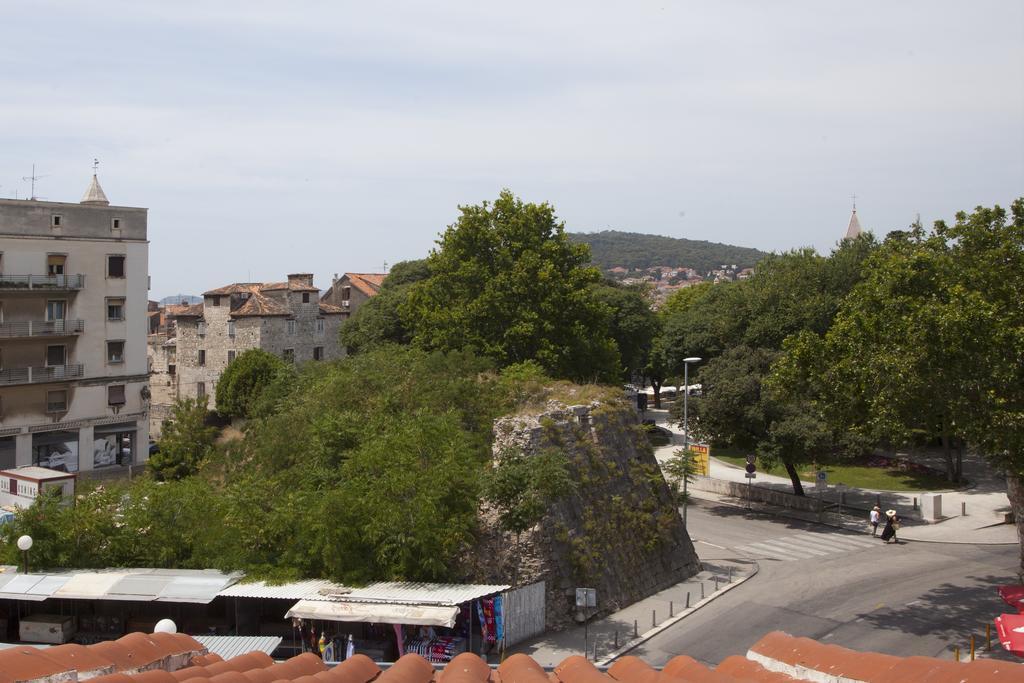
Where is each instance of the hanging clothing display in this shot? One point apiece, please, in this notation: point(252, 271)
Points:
point(436, 650)
point(499, 619)
point(485, 610)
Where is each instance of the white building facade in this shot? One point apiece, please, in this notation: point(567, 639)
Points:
point(74, 281)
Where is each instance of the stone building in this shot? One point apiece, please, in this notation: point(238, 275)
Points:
point(284, 318)
point(74, 387)
point(352, 290)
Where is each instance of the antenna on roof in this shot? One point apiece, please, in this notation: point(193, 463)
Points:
point(95, 165)
point(385, 266)
point(854, 198)
point(33, 178)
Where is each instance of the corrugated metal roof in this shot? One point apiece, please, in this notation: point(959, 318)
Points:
point(233, 646)
point(401, 593)
point(295, 590)
point(145, 585)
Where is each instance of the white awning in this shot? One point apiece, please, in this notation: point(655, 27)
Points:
point(375, 613)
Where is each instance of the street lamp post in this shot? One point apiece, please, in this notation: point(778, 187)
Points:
point(686, 423)
point(24, 544)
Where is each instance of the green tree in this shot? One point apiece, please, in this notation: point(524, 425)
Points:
point(507, 283)
point(522, 487)
point(244, 380)
point(186, 440)
point(633, 324)
point(379, 320)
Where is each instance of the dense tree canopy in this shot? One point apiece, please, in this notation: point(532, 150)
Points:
point(506, 282)
point(612, 248)
point(379, 320)
point(244, 380)
point(186, 441)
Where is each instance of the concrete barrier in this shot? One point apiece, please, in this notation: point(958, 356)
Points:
point(756, 493)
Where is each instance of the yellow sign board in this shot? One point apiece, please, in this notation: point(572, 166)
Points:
point(701, 459)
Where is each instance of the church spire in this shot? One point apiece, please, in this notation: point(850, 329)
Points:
point(94, 195)
point(853, 231)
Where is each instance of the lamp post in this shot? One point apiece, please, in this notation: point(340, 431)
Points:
point(24, 544)
point(686, 423)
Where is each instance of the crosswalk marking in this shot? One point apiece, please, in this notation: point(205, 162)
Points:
point(808, 545)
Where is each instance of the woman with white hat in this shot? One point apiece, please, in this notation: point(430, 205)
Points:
point(892, 522)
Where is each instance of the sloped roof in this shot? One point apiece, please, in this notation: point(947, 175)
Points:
point(260, 305)
point(183, 310)
point(367, 283)
point(854, 230)
point(291, 286)
point(330, 309)
point(95, 195)
point(235, 288)
point(776, 658)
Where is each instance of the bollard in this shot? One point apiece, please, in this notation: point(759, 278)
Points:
point(972, 647)
point(716, 583)
point(654, 619)
point(915, 502)
point(878, 500)
point(956, 653)
point(730, 574)
point(687, 599)
point(988, 637)
point(701, 590)
point(635, 631)
point(595, 648)
point(671, 609)
point(963, 508)
point(616, 639)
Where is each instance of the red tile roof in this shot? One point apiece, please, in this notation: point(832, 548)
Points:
point(330, 309)
point(776, 658)
point(367, 283)
point(291, 286)
point(259, 305)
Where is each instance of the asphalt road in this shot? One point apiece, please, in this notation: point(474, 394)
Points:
point(837, 587)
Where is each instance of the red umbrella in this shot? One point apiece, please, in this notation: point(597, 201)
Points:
point(1010, 629)
point(1013, 596)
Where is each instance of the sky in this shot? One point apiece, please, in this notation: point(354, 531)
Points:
point(269, 138)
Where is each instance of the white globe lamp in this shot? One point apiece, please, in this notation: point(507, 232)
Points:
point(165, 626)
point(24, 543)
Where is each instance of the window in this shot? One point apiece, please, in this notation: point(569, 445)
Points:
point(200, 389)
point(216, 301)
point(55, 264)
point(289, 355)
point(115, 395)
point(115, 266)
point(56, 220)
point(56, 355)
point(291, 327)
point(231, 328)
point(171, 369)
point(202, 358)
point(201, 328)
point(55, 309)
point(115, 351)
point(319, 325)
point(231, 356)
point(305, 297)
point(115, 223)
point(318, 353)
point(346, 293)
point(57, 401)
point(115, 309)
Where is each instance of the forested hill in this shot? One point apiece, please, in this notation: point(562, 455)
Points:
point(631, 250)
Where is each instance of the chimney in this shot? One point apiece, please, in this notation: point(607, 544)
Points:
point(301, 279)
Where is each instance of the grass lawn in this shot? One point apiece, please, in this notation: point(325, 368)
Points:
point(857, 476)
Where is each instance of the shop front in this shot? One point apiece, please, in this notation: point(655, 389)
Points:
point(56, 450)
point(114, 445)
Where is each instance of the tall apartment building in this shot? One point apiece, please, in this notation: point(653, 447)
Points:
point(74, 280)
point(284, 318)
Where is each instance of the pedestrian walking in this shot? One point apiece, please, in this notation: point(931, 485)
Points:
point(892, 523)
point(875, 517)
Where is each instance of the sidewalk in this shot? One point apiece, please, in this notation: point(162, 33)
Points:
point(985, 502)
point(613, 635)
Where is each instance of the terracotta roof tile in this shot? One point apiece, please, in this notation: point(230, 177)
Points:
point(520, 668)
point(259, 305)
point(183, 310)
point(577, 669)
point(80, 658)
point(234, 288)
point(633, 670)
point(367, 283)
point(330, 309)
point(743, 669)
point(290, 286)
point(465, 668)
point(408, 669)
point(27, 663)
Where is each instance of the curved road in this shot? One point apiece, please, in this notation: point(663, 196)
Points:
point(837, 587)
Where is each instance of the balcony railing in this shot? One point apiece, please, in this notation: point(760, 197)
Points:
point(47, 283)
point(42, 328)
point(41, 375)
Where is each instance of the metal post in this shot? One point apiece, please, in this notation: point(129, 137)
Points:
point(749, 496)
point(963, 508)
point(716, 583)
point(988, 637)
point(730, 574)
point(687, 599)
point(654, 618)
point(671, 609)
point(636, 632)
point(686, 432)
point(586, 632)
point(616, 639)
point(701, 590)
point(972, 647)
point(595, 648)
point(915, 502)
point(956, 653)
